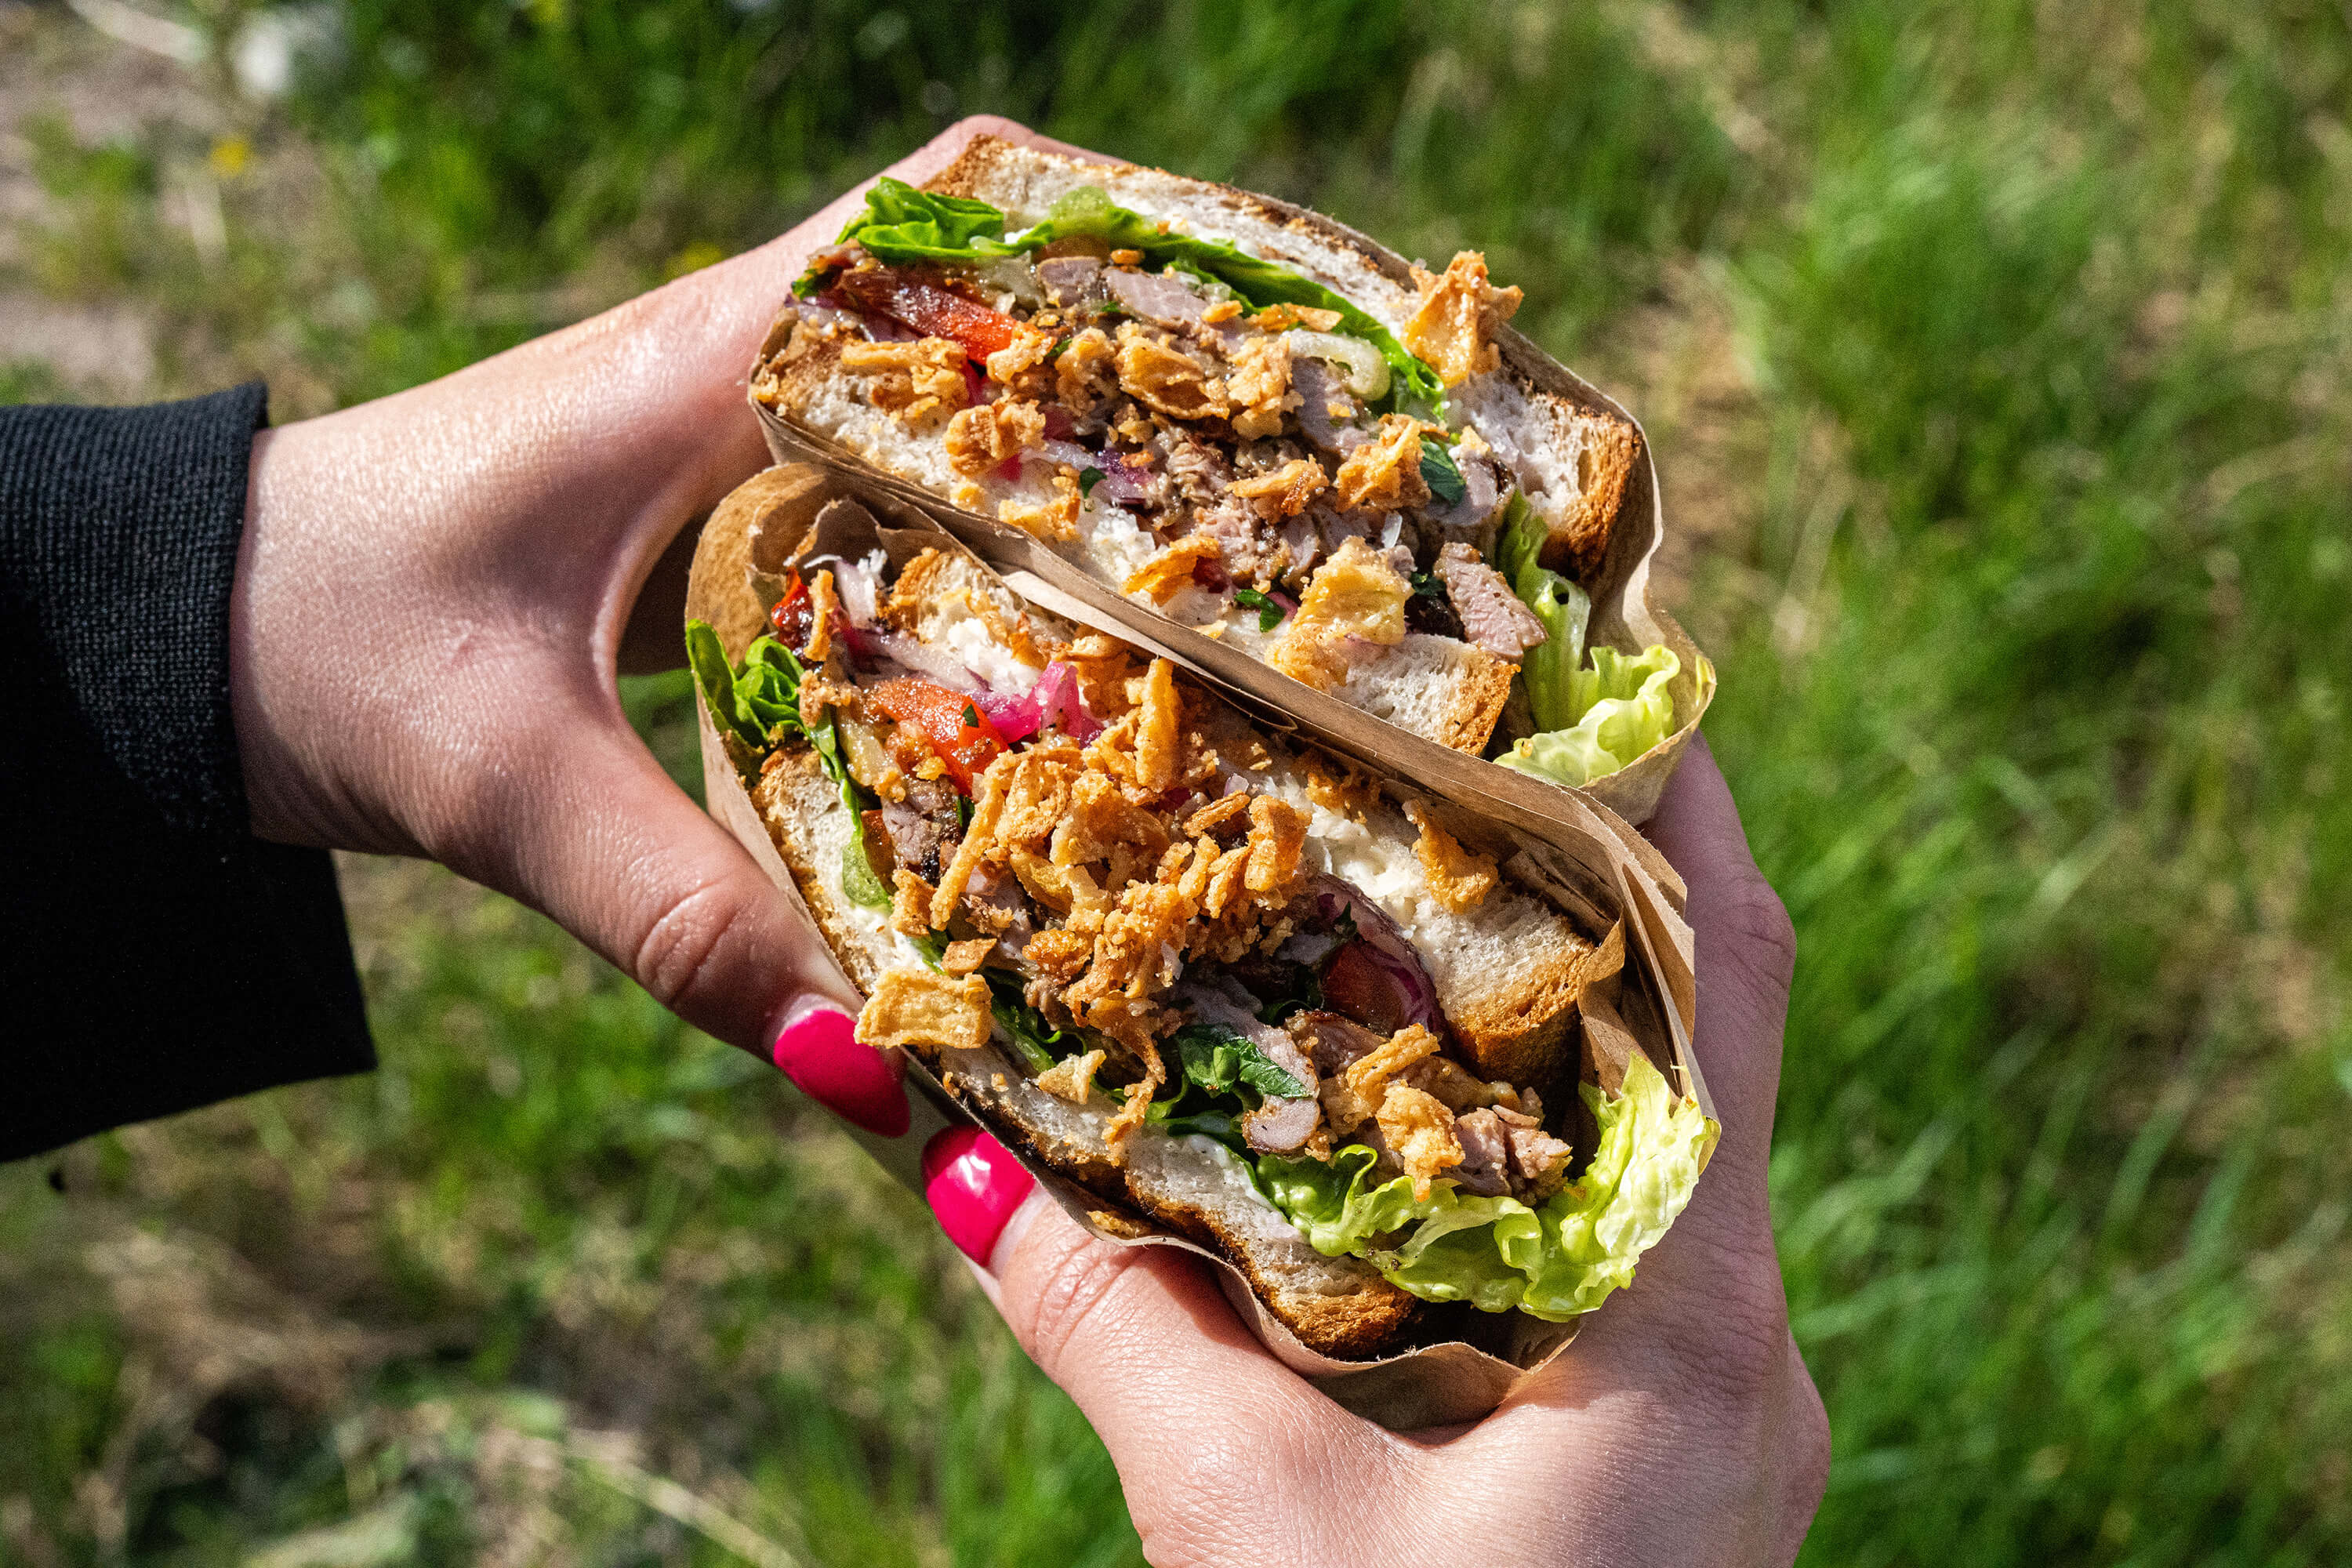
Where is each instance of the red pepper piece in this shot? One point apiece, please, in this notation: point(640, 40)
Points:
point(959, 734)
point(930, 306)
point(794, 617)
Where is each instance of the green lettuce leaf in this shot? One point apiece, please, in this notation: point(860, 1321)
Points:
point(902, 224)
point(1621, 709)
point(859, 885)
point(1554, 1262)
point(755, 697)
point(1549, 671)
point(760, 700)
point(1593, 713)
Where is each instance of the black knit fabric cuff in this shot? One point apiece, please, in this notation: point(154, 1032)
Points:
point(154, 956)
point(119, 529)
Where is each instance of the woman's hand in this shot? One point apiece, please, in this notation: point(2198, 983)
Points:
point(1679, 1427)
point(434, 592)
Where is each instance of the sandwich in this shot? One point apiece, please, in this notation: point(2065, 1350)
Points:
point(1221, 984)
point(1242, 417)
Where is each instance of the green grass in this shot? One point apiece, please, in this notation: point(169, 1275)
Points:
point(2017, 463)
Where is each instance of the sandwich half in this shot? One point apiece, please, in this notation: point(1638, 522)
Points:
point(1231, 987)
point(1237, 412)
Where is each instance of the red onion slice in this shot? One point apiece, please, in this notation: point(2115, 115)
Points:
point(1055, 701)
point(1416, 993)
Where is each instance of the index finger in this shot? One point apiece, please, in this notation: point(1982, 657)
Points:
point(1747, 951)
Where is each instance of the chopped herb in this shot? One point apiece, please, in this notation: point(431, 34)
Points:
point(1088, 479)
point(1215, 1059)
point(1437, 470)
point(1269, 614)
point(971, 717)
point(1426, 585)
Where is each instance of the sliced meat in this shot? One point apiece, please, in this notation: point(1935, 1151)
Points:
point(1335, 1043)
point(1199, 471)
point(923, 828)
point(1482, 491)
point(1166, 300)
point(1492, 615)
point(1485, 1167)
point(1280, 1126)
point(1235, 530)
point(1071, 281)
point(1539, 1160)
point(997, 906)
point(1305, 546)
point(1319, 388)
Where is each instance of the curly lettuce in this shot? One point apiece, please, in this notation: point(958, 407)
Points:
point(1593, 713)
point(1556, 1262)
point(904, 226)
point(759, 698)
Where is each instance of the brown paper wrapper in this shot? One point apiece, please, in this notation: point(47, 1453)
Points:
point(1641, 986)
point(1624, 613)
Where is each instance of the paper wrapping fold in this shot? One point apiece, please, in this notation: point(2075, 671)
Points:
point(1582, 856)
point(1624, 615)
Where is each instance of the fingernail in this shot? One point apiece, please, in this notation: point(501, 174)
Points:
point(973, 1186)
point(820, 1052)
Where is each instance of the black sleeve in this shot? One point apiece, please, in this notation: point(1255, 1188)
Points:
point(154, 955)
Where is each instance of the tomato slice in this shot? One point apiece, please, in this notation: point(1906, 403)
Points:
point(929, 307)
point(1356, 987)
point(794, 617)
point(960, 735)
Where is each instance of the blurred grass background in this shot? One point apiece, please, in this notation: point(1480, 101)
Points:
point(1996, 357)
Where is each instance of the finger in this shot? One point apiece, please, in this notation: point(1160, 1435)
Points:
point(582, 823)
point(725, 310)
point(1235, 1445)
point(1746, 951)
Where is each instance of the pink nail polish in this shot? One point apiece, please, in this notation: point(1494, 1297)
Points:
point(820, 1052)
point(973, 1186)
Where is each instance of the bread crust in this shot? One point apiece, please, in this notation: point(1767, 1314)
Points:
point(1338, 1307)
point(1608, 445)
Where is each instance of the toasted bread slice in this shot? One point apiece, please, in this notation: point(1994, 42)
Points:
point(1571, 460)
point(1340, 1307)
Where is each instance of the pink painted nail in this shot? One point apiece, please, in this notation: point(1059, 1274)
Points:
point(820, 1052)
point(973, 1187)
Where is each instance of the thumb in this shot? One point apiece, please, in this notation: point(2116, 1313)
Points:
point(586, 825)
point(1225, 1452)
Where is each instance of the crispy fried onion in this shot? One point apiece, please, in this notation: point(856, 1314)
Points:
point(1384, 473)
point(980, 439)
point(1136, 882)
point(1459, 879)
point(1161, 376)
point(916, 383)
point(1355, 595)
point(1454, 330)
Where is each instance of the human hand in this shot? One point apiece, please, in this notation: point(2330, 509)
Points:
point(434, 592)
point(1680, 1427)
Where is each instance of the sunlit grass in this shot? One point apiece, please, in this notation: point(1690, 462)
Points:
point(2026, 560)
